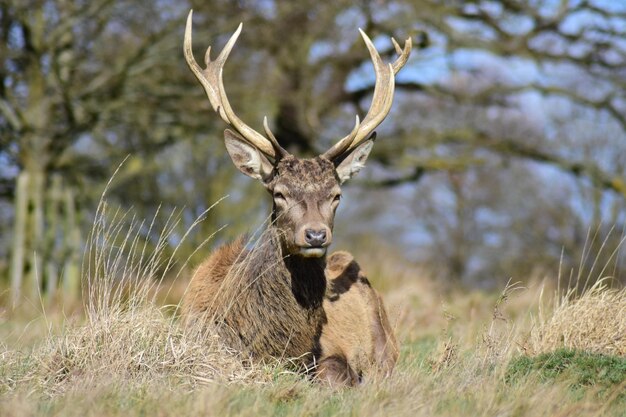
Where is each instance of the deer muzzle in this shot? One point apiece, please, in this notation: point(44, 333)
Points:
point(313, 240)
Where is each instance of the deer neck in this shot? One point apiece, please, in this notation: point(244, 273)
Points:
point(305, 276)
point(308, 281)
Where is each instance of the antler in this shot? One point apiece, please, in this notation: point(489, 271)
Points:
point(381, 101)
point(211, 80)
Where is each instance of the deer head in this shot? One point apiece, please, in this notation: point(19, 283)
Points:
point(306, 192)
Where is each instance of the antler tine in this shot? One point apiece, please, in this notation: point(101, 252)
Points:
point(403, 54)
point(382, 99)
point(343, 145)
point(212, 81)
point(280, 151)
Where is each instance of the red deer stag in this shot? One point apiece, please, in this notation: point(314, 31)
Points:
point(285, 298)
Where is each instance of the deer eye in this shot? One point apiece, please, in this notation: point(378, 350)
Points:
point(279, 196)
point(337, 198)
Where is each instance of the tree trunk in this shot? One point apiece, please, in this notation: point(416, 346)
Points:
point(71, 234)
point(54, 251)
point(19, 237)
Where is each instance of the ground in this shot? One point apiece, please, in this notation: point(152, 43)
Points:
point(522, 350)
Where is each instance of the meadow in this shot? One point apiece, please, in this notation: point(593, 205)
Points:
point(502, 163)
point(543, 348)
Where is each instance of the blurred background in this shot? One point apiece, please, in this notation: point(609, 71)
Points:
point(504, 155)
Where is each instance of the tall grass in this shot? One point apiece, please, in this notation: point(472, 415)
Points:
point(590, 312)
point(127, 338)
point(130, 356)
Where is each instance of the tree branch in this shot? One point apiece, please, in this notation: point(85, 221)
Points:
point(593, 173)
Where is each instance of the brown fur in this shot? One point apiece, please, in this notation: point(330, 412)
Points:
point(258, 304)
point(275, 300)
point(357, 329)
point(342, 328)
point(308, 186)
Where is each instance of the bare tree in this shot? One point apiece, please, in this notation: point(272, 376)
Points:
point(500, 97)
point(64, 76)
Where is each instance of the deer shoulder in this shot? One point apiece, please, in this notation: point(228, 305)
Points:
point(208, 280)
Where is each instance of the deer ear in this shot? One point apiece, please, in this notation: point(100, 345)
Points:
point(354, 161)
point(246, 157)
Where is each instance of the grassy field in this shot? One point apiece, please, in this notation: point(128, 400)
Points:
point(524, 351)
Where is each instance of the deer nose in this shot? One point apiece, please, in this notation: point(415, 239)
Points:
point(315, 237)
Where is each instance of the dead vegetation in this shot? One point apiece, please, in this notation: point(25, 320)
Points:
point(593, 322)
point(142, 347)
point(128, 355)
point(125, 336)
point(135, 359)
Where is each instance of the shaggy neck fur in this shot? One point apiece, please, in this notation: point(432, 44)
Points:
point(308, 283)
point(276, 305)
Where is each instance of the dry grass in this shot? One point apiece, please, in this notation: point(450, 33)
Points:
point(139, 362)
point(589, 315)
point(128, 355)
point(593, 322)
point(140, 348)
point(125, 336)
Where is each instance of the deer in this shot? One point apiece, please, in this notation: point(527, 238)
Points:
point(286, 297)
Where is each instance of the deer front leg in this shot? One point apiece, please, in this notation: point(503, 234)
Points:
point(357, 330)
point(335, 371)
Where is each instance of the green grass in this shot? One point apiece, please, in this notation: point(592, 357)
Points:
point(139, 362)
point(125, 354)
point(604, 374)
point(540, 386)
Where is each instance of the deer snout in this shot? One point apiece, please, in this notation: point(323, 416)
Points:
point(315, 237)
